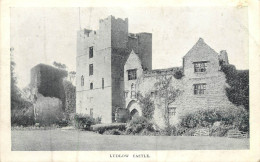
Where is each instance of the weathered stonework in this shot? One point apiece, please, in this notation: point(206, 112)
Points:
point(112, 45)
point(213, 97)
point(119, 55)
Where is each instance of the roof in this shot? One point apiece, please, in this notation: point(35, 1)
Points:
point(200, 46)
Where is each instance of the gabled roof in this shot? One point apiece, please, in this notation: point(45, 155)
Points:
point(132, 55)
point(200, 46)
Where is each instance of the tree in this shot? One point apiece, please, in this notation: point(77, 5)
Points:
point(168, 94)
point(15, 94)
point(21, 110)
point(59, 65)
point(147, 105)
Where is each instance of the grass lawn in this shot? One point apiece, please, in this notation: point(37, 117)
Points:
point(73, 140)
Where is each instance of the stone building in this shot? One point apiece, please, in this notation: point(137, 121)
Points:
point(114, 66)
point(101, 56)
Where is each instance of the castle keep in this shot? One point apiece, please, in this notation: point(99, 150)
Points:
point(113, 66)
point(101, 56)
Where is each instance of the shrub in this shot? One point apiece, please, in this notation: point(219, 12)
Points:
point(138, 124)
point(170, 130)
point(83, 121)
point(101, 128)
point(114, 132)
point(22, 117)
point(235, 117)
point(220, 131)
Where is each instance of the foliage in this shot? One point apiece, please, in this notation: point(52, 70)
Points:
point(122, 115)
point(238, 80)
point(178, 74)
point(169, 94)
point(70, 97)
point(21, 110)
point(228, 118)
point(22, 115)
point(220, 131)
point(49, 111)
point(59, 65)
point(114, 132)
point(147, 105)
point(139, 124)
point(83, 121)
point(72, 75)
point(50, 81)
point(101, 128)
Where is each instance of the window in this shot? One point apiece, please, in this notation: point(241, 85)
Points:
point(199, 88)
point(91, 85)
point(91, 69)
point(126, 94)
point(103, 83)
point(133, 93)
point(200, 66)
point(91, 112)
point(90, 52)
point(172, 111)
point(132, 74)
point(82, 80)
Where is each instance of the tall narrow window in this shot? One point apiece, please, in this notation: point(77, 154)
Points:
point(82, 80)
point(199, 88)
point(91, 112)
point(90, 52)
point(91, 85)
point(132, 74)
point(91, 69)
point(103, 83)
point(133, 93)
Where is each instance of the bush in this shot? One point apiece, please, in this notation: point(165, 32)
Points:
point(83, 121)
point(114, 132)
point(22, 117)
point(220, 131)
point(138, 124)
point(170, 130)
point(101, 128)
point(229, 118)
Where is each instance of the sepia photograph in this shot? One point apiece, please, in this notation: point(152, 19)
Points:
point(129, 79)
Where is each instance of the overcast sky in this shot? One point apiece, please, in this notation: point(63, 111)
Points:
point(175, 31)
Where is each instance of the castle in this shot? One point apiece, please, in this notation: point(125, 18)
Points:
point(114, 66)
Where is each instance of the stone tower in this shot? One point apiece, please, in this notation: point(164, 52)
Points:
point(101, 56)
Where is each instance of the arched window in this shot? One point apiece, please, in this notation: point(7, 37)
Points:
point(82, 80)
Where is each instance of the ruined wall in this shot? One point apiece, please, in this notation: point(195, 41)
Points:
point(48, 81)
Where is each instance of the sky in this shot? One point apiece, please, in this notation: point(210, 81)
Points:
point(45, 35)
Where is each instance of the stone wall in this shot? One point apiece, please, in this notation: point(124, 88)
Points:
point(48, 81)
point(214, 96)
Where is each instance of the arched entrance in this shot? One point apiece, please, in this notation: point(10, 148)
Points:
point(134, 109)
